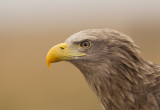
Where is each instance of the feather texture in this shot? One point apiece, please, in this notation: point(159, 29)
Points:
point(116, 72)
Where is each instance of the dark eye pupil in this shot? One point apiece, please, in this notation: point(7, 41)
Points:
point(85, 44)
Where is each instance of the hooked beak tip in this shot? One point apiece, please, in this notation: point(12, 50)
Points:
point(48, 64)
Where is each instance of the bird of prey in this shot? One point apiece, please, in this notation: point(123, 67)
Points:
point(112, 66)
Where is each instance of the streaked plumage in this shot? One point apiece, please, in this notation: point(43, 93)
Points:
point(116, 72)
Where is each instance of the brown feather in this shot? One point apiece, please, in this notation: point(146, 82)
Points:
point(116, 72)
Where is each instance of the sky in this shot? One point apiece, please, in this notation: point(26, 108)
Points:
point(31, 11)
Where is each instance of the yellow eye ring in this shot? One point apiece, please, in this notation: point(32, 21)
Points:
point(85, 44)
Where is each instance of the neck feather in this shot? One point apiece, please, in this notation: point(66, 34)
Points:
point(115, 84)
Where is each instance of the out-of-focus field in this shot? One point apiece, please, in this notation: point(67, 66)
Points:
point(29, 29)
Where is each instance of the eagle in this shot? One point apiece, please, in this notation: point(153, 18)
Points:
point(110, 62)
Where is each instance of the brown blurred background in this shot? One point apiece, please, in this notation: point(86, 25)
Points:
point(29, 28)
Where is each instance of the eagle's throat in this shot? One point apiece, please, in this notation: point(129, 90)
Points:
point(115, 85)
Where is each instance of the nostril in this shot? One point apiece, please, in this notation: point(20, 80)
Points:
point(62, 48)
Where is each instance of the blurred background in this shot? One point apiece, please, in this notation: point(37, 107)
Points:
point(29, 28)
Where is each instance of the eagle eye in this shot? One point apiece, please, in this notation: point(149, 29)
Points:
point(85, 44)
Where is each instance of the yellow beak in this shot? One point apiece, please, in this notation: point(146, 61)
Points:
point(61, 52)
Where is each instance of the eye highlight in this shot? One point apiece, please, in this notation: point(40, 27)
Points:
point(85, 44)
